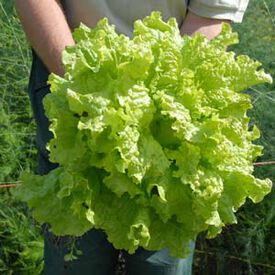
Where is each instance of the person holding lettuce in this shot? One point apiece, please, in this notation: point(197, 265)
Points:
point(48, 25)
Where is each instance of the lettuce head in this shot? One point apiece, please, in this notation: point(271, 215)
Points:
point(151, 135)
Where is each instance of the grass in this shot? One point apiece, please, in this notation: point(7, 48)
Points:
point(21, 243)
point(21, 249)
point(16, 123)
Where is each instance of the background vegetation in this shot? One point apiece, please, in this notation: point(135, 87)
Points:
point(245, 248)
point(21, 243)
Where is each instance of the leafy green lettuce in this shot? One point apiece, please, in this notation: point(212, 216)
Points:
point(151, 136)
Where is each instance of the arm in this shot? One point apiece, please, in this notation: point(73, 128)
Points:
point(47, 30)
point(194, 23)
point(206, 16)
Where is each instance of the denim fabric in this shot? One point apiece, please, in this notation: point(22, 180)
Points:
point(98, 257)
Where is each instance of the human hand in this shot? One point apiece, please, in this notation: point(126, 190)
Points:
point(196, 24)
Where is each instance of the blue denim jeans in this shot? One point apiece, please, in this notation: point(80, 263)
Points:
point(98, 256)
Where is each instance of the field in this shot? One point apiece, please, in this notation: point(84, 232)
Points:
point(245, 248)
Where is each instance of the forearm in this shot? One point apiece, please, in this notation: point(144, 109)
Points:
point(47, 30)
point(197, 24)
